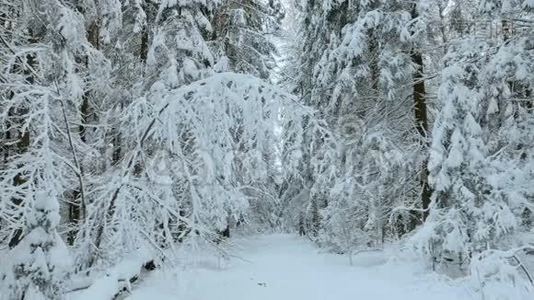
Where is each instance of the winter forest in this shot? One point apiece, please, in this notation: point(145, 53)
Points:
point(267, 149)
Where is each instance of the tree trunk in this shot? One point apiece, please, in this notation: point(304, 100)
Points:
point(23, 142)
point(143, 51)
point(421, 120)
point(93, 34)
point(76, 207)
point(22, 145)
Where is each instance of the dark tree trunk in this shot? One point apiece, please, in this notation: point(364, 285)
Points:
point(421, 120)
point(76, 207)
point(23, 142)
point(22, 145)
point(143, 51)
point(226, 232)
point(93, 34)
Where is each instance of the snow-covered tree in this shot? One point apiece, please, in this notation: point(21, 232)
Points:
point(478, 204)
point(42, 89)
point(195, 134)
point(458, 158)
point(357, 70)
point(129, 129)
point(243, 35)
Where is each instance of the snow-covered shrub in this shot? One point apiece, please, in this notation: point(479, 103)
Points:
point(500, 275)
point(37, 266)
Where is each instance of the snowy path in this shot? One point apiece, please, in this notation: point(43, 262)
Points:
point(280, 267)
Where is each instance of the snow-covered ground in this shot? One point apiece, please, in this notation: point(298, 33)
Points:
point(280, 267)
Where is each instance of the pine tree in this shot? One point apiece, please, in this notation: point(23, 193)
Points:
point(43, 87)
point(243, 35)
point(358, 79)
point(473, 210)
point(468, 215)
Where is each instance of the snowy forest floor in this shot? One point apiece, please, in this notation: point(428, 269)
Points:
point(280, 266)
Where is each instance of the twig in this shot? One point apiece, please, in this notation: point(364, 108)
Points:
point(529, 277)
